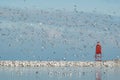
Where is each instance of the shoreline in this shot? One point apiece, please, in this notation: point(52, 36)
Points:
point(114, 63)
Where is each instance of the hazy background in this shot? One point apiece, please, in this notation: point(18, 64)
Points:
point(59, 29)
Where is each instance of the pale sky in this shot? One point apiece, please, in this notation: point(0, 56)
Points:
point(111, 7)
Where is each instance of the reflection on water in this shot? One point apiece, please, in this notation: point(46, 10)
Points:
point(98, 75)
point(59, 73)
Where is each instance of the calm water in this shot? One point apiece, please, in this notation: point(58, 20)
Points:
point(59, 73)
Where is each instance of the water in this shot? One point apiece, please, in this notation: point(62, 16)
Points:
point(59, 73)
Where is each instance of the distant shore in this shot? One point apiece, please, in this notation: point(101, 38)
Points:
point(113, 63)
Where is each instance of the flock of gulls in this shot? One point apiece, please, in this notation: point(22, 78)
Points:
point(34, 32)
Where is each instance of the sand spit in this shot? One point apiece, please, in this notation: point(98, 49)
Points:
point(114, 63)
